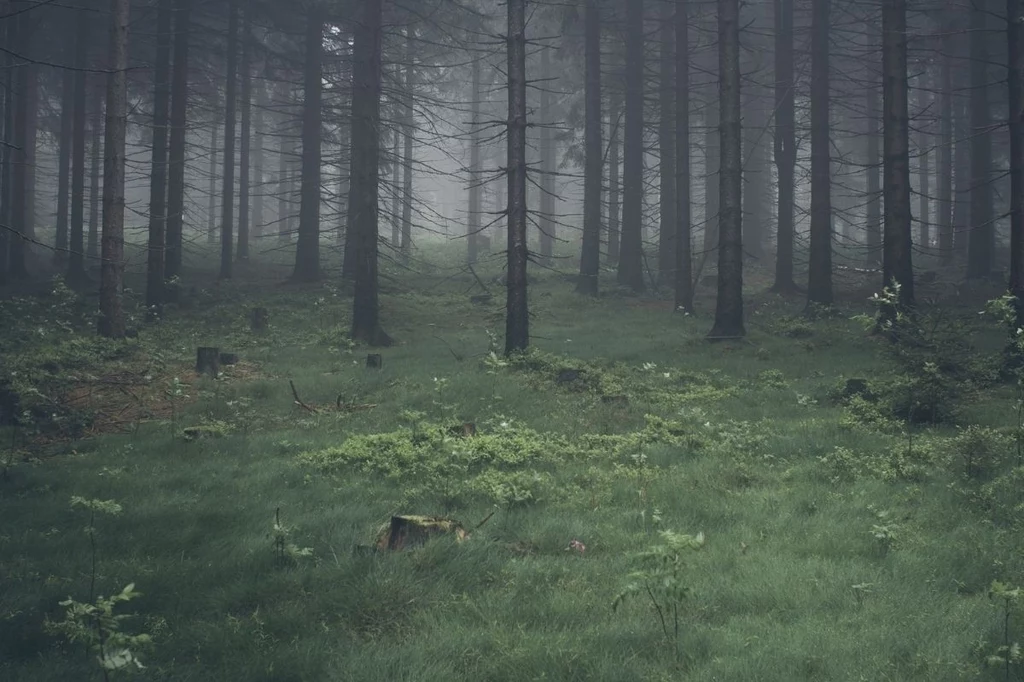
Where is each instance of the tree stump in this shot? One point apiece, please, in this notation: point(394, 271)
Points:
point(405, 532)
point(463, 430)
point(208, 361)
point(568, 376)
point(374, 361)
point(259, 321)
point(228, 358)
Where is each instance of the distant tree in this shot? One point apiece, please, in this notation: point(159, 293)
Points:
point(76, 234)
point(245, 144)
point(307, 248)
point(111, 319)
point(1015, 98)
point(517, 318)
point(227, 219)
point(546, 218)
point(65, 142)
point(872, 159)
point(590, 255)
point(944, 221)
point(668, 225)
point(176, 155)
point(408, 132)
point(784, 146)
point(981, 239)
point(729, 306)
point(155, 259)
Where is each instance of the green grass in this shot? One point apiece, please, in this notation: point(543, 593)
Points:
point(773, 594)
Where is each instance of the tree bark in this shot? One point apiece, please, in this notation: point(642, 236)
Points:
point(92, 249)
point(614, 165)
point(307, 248)
point(683, 257)
point(363, 198)
point(897, 241)
point(228, 176)
point(944, 218)
point(245, 101)
point(590, 254)
point(408, 121)
point(784, 145)
point(631, 267)
point(729, 306)
point(211, 226)
point(1015, 99)
point(7, 151)
point(819, 267)
point(26, 116)
point(517, 319)
point(546, 219)
point(981, 241)
point(257, 158)
point(111, 319)
point(155, 256)
point(176, 158)
point(873, 168)
point(76, 237)
point(923, 169)
point(668, 225)
point(65, 143)
point(473, 224)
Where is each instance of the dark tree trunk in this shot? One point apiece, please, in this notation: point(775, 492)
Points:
point(684, 259)
point(64, 165)
point(211, 227)
point(227, 220)
point(517, 318)
point(923, 170)
point(76, 245)
point(307, 248)
point(712, 171)
point(668, 224)
point(944, 219)
point(158, 167)
point(755, 176)
point(363, 198)
point(961, 176)
point(546, 219)
point(590, 254)
point(819, 266)
point(614, 207)
point(92, 249)
point(396, 167)
point(176, 159)
point(1015, 82)
point(245, 101)
point(473, 224)
point(896, 266)
point(784, 150)
point(408, 120)
point(873, 168)
point(729, 306)
point(7, 150)
point(111, 319)
point(257, 158)
point(26, 115)
point(286, 151)
point(981, 242)
point(631, 266)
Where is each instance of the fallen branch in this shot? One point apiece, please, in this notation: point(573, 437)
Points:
point(298, 400)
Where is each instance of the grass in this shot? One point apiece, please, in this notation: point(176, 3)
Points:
point(791, 585)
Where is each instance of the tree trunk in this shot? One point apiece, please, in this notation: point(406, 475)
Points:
point(64, 165)
point(923, 170)
point(590, 254)
point(211, 227)
point(257, 159)
point(784, 145)
point(944, 219)
point(712, 172)
point(517, 319)
point(896, 265)
point(396, 166)
point(819, 266)
point(729, 307)
point(307, 248)
point(26, 115)
point(245, 70)
point(473, 224)
point(873, 169)
point(286, 150)
point(158, 168)
point(96, 173)
point(755, 176)
point(176, 159)
point(7, 150)
point(228, 177)
point(111, 319)
point(546, 219)
point(668, 224)
point(408, 121)
point(76, 241)
point(683, 257)
point(1015, 82)
point(961, 175)
point(363, 198)
point(614, 207)
point(631, 266)
point(981, 242)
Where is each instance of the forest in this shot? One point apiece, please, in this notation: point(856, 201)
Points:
point(508, 340)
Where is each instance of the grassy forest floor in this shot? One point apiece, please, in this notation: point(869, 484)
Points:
point(841, 543)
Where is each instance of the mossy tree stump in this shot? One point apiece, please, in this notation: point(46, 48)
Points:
point(374, 361)
point(405, 532)
point(208, 361)
point(259, 321)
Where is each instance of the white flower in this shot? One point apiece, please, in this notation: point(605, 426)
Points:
point(666, 375)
